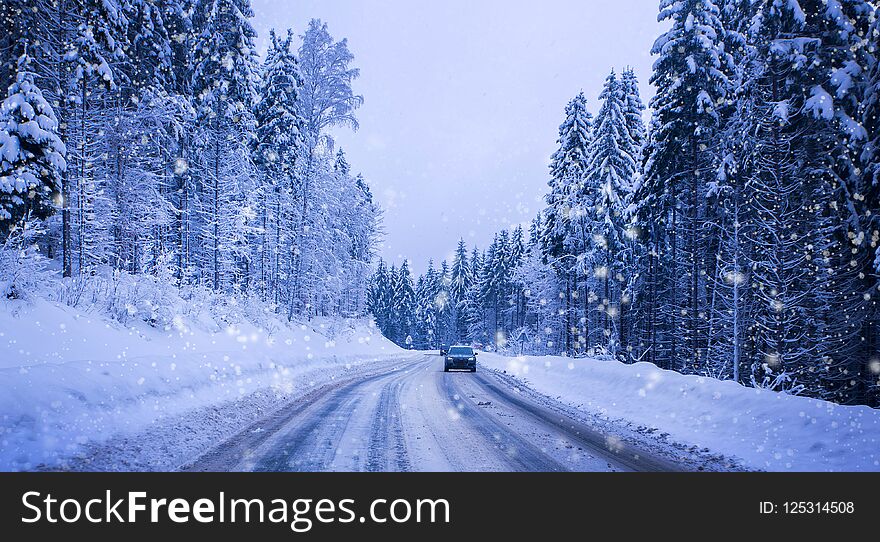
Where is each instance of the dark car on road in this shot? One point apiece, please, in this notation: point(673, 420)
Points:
point(460, 357)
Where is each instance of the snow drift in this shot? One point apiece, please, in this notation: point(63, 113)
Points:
point(70, 378)
point(765, 430)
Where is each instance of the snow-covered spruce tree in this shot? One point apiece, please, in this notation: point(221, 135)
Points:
point(482, 324)
point(730, 311)
point(731, 299)
point(691, 76)
point(403, 305)
point(844, 345)
point(805, 237)
point(854, 53)
point(141, 147)
point(9, 13)
point(278, 148)
point(92, 43)
point(870, 159)
point(427, 317)
point(870, 108)
point(474, 304)
point(543, 330)
point(31, 153)
point(515, 297)
point(610, 172)
point(567, 169)
point(148, 45)
point(494, 285)
point(142, 141)
point(363, 228)
point(353, 222)
point(568, 162)
point(633, 109)
point(19, 23)
point(445, 308)
point(461, 280)
point(633, 251)
point(380, 298)
point(223, 84)
point(183, 235)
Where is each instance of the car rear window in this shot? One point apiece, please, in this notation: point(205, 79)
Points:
point(461, 351)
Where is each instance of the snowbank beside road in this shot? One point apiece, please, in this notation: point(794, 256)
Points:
point(763, 429)
point(70, 379)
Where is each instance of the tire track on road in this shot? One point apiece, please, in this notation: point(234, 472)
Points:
point(518, 452)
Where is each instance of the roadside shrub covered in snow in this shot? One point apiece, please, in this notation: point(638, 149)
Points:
point(22, 268)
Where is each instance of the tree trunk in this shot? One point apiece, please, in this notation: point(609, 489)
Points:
point(216, 210)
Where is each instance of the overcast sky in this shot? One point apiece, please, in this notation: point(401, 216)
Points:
point(463, 101)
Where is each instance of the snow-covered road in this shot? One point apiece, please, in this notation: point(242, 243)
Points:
point(411, 416)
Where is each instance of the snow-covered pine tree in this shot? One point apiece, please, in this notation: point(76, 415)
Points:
point(148, 46)
point(354, 222)
point(567, 169)
point(567, 165)
point(461, 279)
point(223, 83)
point(805, 233)
point(31, 153)
point(633, 109)
point(141, 142)
point(278, 149)
point(870, 159)
point(427, 317)
point(516, 299)
point(543, 329)
point(608, 182)
point(92, 42)
point(691, 76)
point(731, 300)
point(842, 27)
point(445, 308)
point(404, 304)
point(379, 298)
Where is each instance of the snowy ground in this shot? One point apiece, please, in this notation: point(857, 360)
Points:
point(762, 430)
point(73, 382)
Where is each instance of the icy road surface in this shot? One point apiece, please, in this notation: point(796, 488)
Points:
point(412, 416)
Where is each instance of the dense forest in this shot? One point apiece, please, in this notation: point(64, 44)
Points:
point(736, 236)
point(147, 138)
